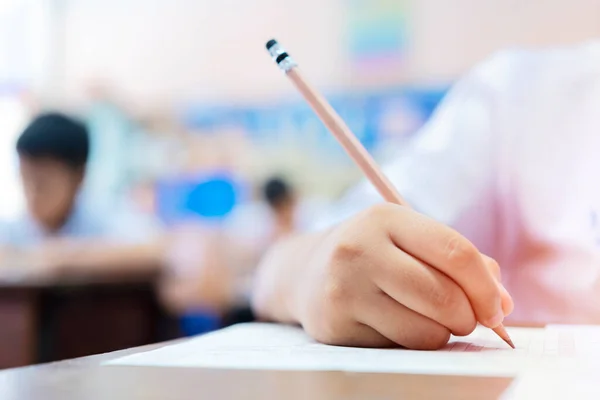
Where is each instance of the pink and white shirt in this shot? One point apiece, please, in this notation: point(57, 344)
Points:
point(511, 159)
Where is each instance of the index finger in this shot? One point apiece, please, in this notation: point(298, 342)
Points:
point(450, 253)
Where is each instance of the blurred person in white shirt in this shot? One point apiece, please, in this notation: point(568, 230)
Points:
point(62, 228)
point(282, 201)
point(504, 177)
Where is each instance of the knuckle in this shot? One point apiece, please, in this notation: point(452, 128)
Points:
point(377, 212)
point(444, 300)
point(465, 327)
point(336, 295)
point(346, 251)
point(452, 309)
point(432, 339)
point(343, 275)
point(460, 252)
point(325, 335)
point(328, 327)
point(437, 339)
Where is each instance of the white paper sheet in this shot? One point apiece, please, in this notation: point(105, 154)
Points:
point(578, 382)
point(576, 377)
point(581, 341)
point(270, 346)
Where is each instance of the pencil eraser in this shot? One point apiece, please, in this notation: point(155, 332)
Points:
point(271, 43)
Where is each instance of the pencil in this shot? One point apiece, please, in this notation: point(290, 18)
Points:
point(345, 137)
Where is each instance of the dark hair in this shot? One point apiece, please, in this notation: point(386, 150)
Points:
point(58, 137)
point(276, 191)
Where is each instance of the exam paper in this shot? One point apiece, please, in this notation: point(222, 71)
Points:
point(575, 378)
point(281, 347)
point(568, 382)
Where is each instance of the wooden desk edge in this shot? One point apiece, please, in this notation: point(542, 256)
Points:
point(322, 384)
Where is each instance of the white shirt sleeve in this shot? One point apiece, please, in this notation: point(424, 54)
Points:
point(18, 233)
point(448, 171)
point(6, 234)
point(250, 223)
point(126, 224)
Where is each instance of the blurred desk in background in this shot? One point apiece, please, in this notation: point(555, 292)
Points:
point(60, 318)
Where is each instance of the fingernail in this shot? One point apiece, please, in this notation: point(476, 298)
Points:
point(504, 291)
point(497, 320)
point(500, 285)
point(507, 308)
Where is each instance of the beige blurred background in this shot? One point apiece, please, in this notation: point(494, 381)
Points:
point(164, 51)
point(154, 58)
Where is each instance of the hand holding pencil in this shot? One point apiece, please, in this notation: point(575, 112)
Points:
point(439, 267)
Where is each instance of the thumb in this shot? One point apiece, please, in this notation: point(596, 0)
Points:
point(507, 301)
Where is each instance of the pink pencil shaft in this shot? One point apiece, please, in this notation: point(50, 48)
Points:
point(347, 139)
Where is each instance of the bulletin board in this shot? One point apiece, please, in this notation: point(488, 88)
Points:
point(376, 118)
point(377, 33)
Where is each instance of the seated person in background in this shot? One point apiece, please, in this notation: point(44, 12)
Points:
point(215, 269)
point(282, 201)
point(511, 161)
point(198, 276)
point(63, 230)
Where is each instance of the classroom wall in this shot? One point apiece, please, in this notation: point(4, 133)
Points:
point(162, 50)
point(27, 45)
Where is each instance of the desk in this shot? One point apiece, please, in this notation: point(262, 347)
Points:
point(86, 379)
point(49, 320)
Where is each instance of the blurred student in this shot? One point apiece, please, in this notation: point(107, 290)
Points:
point(281, 219)
point(510, 162)
point(282, 201)
point(62, 229)
point(216, 267)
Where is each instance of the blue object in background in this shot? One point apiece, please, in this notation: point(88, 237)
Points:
point(199, 323)
point(214, 198)
point(205, 198)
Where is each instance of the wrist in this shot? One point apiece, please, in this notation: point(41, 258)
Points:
point(280, 282)
point(273, 289)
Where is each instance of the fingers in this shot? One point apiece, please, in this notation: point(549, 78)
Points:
point(426, 291)
point(507, 301)
point(450, 253)
point(493, 267)
point(357, 335)
point(401, 325)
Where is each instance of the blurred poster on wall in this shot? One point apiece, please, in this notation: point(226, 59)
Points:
point(377, 34)
point(390, 112)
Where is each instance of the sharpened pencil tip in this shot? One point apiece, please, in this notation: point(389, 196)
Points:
point(509, 342)
point(500, 331)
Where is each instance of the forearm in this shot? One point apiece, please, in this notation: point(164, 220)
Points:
point(6, 256)
point(279, 273)
point(110, 258)
point(3, 255)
